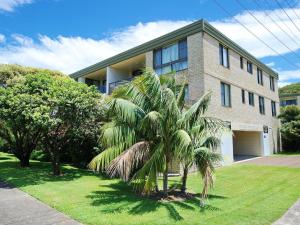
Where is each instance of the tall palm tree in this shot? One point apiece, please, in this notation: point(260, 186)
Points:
point(149, 129)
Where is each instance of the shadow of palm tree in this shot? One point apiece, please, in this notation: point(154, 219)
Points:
point(119, 197)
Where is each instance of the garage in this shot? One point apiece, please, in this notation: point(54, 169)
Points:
point(247, 144)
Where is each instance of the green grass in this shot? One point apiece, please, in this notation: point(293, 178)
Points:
point(286, 153)
point(243, 194)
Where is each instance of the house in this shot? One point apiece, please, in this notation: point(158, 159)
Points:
point(289, 99)
point(244, 90)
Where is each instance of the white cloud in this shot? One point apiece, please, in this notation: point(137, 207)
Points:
point(232, 29)
point(2, 38)
point(271, 64)
point(69, 54)
point(10, 5)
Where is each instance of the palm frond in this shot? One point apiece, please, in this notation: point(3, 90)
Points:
point(195, 111)
point(123, 165)
point(101, 161)
point(205, 160)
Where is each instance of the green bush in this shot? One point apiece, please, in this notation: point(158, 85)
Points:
point(290, 128)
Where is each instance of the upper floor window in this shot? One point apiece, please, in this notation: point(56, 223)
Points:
point(261, 102)
point(249, 67)
point(251, 98)
point(260, 77)
point(171, 58)
point(272, 83)
point(225, 95)
point(224, 56)
point(273, 107)
point(243, 96)
point(241, 62)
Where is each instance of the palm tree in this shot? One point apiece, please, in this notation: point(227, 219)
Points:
point(149, 129)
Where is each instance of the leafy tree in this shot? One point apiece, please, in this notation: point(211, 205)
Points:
point(10, 72)
point(150, 128)
point(47, 110)
point(290, 128)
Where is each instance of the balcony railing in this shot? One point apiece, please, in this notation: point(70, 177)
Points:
point(113, 85)
point(102, 89)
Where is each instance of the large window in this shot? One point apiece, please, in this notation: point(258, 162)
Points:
point(260, 77)
point(249, 67)
point(171, 58)
point(243, 96)
point(288, 102)
point(251, 98)
point(261, 102)
point(225, 95)
point(272, 83)
point(273, 107)
point(224, 57)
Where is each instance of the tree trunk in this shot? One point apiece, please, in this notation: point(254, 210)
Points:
point(184, 179)
point(156, 184)
point(24, 161)
point(56, 165)
point(165, 178)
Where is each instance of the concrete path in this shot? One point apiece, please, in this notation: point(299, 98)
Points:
point(291, 217)
point(19, 208)
point(290, 161)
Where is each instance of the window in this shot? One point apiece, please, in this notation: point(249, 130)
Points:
point(243, 96)
point(273, 107)
point(249, 67)
point(170, 58)
point(272, 83)
point(288, 102)
point(260, 77)
point(225, 95)
point(251, 98)
point(224, 57)
point(241, 62)
point(261, 102)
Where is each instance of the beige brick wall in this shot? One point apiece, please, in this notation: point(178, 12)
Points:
point(204, 74)
point(242, 116)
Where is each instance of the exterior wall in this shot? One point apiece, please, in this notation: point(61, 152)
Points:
point(242, 116)
point(114, 75)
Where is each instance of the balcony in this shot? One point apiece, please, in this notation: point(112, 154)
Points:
point(114, 85)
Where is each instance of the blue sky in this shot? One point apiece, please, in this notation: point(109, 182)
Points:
point(70, 34)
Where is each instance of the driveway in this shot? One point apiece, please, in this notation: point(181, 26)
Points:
point(19, 208)
point(290, 161)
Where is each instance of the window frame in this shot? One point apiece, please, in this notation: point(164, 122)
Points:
point(252, 103)
point(243, 96)
point(273, 108)
point(272, 83)
point(251, 66)
point(181, 59)
point(241, 62)
point(223, 95)
point(260, 77)
point(261, 104)
point(221, 55)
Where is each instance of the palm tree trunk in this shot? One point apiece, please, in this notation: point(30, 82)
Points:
point(165, 177)
point(184, 178)
point(156, 184)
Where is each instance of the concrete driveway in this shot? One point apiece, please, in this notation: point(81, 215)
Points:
point(19, 208)
point(289, 161)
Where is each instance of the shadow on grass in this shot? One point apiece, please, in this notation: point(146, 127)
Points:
point(37, 173)
point(119, 197)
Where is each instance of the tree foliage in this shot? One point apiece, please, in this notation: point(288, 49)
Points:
point(290, 89)
point(290, 128)
point(151, 127)
point(11, 72)
point(54, 112)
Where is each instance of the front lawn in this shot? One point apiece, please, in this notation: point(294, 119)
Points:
point(243, 194)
